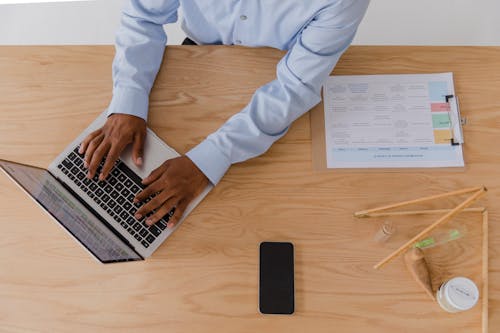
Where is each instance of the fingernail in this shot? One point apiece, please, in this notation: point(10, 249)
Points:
point(85, 165)
point(101, 177)
point(89, 176)
point(136, 200)
point(139, 161)
point(138, 216)
point(80, 150)
point(149, 222)
point(170, 225)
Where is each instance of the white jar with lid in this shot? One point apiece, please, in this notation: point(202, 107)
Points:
point(458, 294)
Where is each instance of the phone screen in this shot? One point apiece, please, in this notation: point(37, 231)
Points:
point(276, 288)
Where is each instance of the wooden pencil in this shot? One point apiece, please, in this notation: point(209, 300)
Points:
point(485, 274)
point(364, 213)
point(433, 226)
point(424, 212)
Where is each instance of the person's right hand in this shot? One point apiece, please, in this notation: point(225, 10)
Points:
point(109, 141)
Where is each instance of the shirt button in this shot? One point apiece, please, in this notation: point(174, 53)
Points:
point(243, 17)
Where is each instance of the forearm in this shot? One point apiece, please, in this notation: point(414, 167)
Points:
point(140, 45)
point(297, 88)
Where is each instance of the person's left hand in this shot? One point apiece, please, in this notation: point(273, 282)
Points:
point(176, 182)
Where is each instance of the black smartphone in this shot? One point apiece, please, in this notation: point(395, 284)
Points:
point(276, 282)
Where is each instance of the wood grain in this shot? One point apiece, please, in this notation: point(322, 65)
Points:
point(205, 278)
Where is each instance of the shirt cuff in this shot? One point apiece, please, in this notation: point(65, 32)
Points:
point(210, 160)
point(129, 101)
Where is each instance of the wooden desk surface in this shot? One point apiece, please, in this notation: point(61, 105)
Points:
point(205, 277)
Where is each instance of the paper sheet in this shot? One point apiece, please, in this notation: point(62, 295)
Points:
point(391, 121)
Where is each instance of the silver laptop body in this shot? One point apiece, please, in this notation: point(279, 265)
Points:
point(112, 226)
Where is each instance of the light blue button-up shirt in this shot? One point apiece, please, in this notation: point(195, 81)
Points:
point(314, 32)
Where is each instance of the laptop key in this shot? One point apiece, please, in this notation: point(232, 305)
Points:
point(143, 232)
point(128, 183)
point(161, 224)
point(115, 172)
point(67, 164)
point(145, 244)
point(105, 198)
point(124, 215)
point(121, 177)
point(112, 181)
point(72, 156)
point(137, 226)
point(127, 206)
point(79, 162)
point(120, 200)
point(130, 220)
point(111, 203)
point(93, 186)
point(99, 192)
point(154, 230)
point(136, 236)
point(150, 239)
point(125, 192)
point(108, 189)
point(114, 194)
point(119, 187)
point(74, 170)
point(135, 189)
point(118, 209)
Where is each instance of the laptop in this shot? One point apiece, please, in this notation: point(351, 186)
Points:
point(100, 214)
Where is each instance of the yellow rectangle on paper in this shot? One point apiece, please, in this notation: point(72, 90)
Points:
point(442, 136)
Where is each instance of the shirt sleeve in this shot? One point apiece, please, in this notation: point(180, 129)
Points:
point(140, 44)
point(297, 88)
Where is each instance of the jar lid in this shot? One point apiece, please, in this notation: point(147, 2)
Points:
point(461, 293)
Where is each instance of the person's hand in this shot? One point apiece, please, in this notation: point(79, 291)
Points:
point(109, 141)
point(176, 182)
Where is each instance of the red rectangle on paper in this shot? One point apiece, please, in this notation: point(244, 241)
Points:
point(440, 107)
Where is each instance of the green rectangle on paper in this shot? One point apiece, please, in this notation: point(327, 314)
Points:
point(441, 120)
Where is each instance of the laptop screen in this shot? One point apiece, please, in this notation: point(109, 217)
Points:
point(91, 232)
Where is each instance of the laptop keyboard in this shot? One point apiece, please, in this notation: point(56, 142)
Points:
point(115, 195)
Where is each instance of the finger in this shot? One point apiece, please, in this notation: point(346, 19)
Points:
point(97, 158)
point(113, 155)
point(153, 204)
point(149, 191)
point(138, 148)
point(162, 211)
point(90, 161)
point(179, 210)
point(90, 149)
point(86, 141)
point(155, 174)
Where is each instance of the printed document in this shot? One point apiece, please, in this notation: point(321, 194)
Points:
point(392, 121)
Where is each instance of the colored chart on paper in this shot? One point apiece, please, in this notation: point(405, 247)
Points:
point(384, 121)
